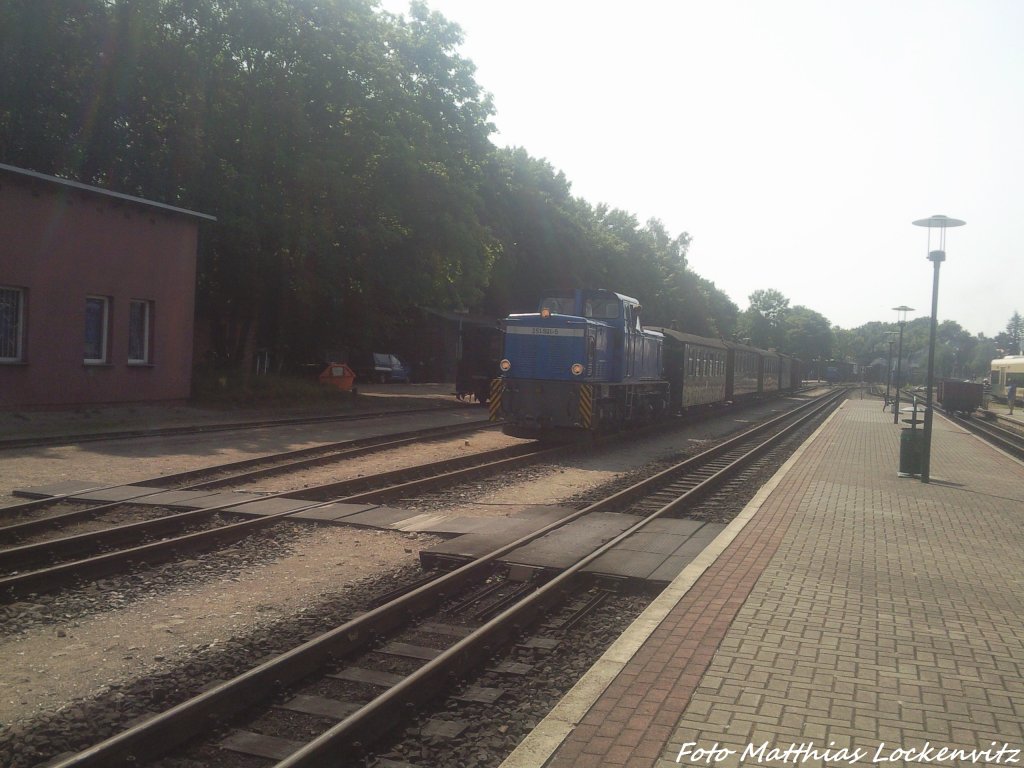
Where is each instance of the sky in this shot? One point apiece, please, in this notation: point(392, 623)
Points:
point(794, 140)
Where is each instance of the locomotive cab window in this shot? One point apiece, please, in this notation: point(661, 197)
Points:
point(557, 305)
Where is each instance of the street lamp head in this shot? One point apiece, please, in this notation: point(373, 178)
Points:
point(901, 311)
point(941, 223)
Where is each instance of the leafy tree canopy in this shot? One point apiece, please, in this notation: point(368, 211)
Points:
point(346, 154)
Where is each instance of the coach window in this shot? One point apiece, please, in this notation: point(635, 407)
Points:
point(12, 324)
point(97, 328)
point(140, 320)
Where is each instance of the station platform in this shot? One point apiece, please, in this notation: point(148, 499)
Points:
point(847, 617)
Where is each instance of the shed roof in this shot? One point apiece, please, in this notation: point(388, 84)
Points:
point(100, 191)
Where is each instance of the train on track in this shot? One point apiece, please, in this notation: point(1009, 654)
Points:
point(585, 362)
point(1006, 371)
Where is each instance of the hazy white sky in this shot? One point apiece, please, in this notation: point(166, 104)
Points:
point(795, 140)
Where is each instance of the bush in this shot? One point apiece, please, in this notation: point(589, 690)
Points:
point(226, 389)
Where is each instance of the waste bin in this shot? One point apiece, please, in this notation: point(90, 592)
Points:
point(911, 448)
point(338, 375)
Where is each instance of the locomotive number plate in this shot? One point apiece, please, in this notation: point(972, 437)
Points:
point(536, 331)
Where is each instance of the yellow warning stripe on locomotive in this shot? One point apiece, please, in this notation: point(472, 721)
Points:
point(494, 403)
point(586, 406)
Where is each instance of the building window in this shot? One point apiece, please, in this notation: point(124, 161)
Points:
point(140, 319)
point(97, 322)
point(12, 324)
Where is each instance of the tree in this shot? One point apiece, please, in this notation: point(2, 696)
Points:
point(808, 334)
point(985, 351)
point(340, 148)
point(764, 320)
point(346, 155)
point(1012, 339)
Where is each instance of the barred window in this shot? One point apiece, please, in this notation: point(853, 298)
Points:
point(139, 325)
point(12, 324)
point(97, 321)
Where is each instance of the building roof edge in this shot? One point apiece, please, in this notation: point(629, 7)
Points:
point(100, 191)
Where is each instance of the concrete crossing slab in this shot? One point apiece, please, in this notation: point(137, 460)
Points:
point(117, 493)
point(62, 488)
point(338, 512)
point(566, 545)
point(175, 499)
point(229, 498)
point(263, 507)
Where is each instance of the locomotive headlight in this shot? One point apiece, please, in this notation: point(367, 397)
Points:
point(505, 365)
point(577, 369)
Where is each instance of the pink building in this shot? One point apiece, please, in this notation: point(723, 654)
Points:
point(97, 294)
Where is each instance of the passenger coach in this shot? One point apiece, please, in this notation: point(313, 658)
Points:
point(1007, 370)
point(696, 369)
point(743, 372)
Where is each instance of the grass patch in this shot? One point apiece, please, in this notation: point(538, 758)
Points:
point(270, 390)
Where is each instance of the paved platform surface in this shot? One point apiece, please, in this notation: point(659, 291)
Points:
point(847, 614)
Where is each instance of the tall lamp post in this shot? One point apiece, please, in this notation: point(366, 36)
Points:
point(888, 370)
point(902, 316)
point(936, 257)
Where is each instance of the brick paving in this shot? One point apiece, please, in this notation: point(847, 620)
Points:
point(854, 610)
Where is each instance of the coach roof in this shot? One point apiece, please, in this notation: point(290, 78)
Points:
point(689, 338)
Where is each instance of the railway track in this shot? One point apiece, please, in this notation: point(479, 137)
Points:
point(231, 473)
point(167, 533)
point(99, 553)
point(298, 677)
point(1004, 438)
point(66, 514)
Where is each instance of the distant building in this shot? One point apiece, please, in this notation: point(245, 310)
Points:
point(97, 294)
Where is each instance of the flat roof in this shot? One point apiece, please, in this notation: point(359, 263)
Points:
point(100, 191)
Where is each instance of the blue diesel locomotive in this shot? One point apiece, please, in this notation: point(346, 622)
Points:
point(585, 362)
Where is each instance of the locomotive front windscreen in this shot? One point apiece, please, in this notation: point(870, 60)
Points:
point(595, 305)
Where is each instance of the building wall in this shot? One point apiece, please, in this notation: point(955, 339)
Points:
point(62, 245)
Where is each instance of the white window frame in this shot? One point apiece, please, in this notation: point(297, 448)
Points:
point(105, 330)
point(147, 324)
point(19, 326)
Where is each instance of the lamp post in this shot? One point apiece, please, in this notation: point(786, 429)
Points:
point(902, 317)
point(888, 369)
point(936, 257)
